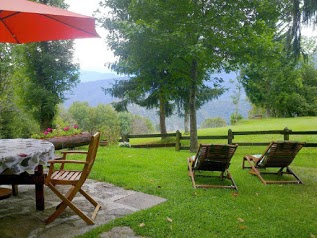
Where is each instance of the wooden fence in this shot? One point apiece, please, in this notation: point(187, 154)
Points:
point(231, 135)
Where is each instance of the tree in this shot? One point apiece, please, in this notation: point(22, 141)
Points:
point(14, 123)
point(281, 86)
point(81, 112)
point(6, 89)
point(46, 71)
point(205, 93)
point(295, 14)
point(102, 118)
point(135, 91)
point(236, 96)
point(214, 122)
point(187, 40)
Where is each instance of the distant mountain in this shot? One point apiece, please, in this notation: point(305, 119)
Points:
point(88, 76)
point(90, 90)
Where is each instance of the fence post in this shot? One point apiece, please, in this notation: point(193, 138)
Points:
point(125, 138)
point(286, 133)
point(230, 137)
point(178, 141)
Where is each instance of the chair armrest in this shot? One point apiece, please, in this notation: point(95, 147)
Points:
point(74, 152)
point(67, 162)
point(69, 152)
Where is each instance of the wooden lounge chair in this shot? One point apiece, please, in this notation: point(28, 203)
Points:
point(277, 155)
point(212, 158)
point(75, 179)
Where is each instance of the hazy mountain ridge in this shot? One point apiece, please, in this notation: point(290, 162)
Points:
point(90, 89)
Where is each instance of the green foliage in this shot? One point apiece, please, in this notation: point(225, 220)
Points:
point(81, 113)
point(256, 111)
point(14, 122)
point(236, 96)
point(126, 120)
point(107, 121)
point(295, 15)
point(58, 131)
point(102, 118)
point(284, 89)
point(172, 46)
point(141, 125)
point(46, 70)
point(234, 118)
point(213, 122)
point(63, 118)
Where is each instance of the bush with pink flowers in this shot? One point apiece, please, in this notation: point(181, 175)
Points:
point(65, 131)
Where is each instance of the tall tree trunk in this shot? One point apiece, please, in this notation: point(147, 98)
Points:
point(46, 120)
point(192, 108)
point(162, 118)
point(186, 120)
point(268, 112)
point(45, 123)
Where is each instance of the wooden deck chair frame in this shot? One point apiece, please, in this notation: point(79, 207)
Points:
point(74, 178)
point(212, 158)
point(277, 155)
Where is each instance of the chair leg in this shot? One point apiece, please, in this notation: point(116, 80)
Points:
point(67, 202)
point(93, 202)
point(66, 195)
point(60, 208)
point(291, 172)
point(232, 181)
point(191, 173)
point(255, 171)
point(243, 162)
point(246, 158)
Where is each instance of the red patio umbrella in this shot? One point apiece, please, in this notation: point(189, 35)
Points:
point(23, 21)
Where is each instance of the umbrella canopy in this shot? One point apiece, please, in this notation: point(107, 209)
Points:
point(23, 21)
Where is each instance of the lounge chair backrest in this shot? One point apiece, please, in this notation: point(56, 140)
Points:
point(280, 154)
point(214, 157)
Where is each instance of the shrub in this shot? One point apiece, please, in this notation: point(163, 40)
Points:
point(235, 118)
point(213, 122)
point(59, 131)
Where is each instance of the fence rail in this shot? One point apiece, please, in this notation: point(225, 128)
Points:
point(229, 137)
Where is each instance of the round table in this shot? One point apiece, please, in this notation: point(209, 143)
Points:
point(23, 155)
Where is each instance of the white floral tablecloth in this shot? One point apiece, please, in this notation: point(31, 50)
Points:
point(23, 155)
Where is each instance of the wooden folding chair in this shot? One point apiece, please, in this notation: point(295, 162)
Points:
point(74, 178)
point(277, 155)
point(212, 158)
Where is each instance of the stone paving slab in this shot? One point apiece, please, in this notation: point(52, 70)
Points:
point(19, 218)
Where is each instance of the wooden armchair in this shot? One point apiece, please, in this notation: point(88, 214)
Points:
point(74, 178)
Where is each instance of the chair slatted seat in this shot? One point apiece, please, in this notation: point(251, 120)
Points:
point(212, 158)
point(276, 155)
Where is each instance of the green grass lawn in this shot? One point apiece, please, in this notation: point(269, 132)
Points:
point(255, 210)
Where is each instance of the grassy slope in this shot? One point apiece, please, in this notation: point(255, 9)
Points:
point(255, 211)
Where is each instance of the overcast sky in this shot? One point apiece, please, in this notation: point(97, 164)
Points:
point(92, 53)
